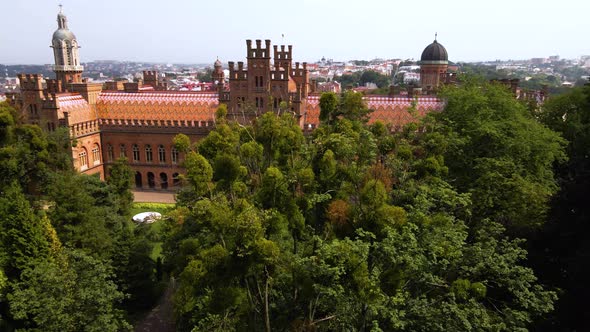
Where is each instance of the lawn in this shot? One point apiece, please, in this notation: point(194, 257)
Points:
point(162, 208)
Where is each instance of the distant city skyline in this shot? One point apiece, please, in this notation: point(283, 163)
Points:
point(194, 32)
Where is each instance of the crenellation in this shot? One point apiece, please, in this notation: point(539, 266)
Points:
point(120, 114)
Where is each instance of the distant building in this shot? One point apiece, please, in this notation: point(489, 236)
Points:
point(138, 120)
point(538, 61)
point(329, 87)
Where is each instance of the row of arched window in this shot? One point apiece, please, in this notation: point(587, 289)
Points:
point(148, 153)
point(164, 182)
point(83, 162)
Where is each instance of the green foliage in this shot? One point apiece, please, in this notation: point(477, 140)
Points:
point(22, 235)
point(359, 78)
point(205, 76)
point(162, 208)
point(121, 180)
point(221, 113)
point(199, 173)
point(500, 154)
point(83, 211)
point(356, 228)
point(43, 203)
point(182, 143)
point(76, 295)
point(328, 105)
point(560, 250)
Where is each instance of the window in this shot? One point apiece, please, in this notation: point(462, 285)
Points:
point(123, 153)
point(162, 153)
point(135, 153)
point(110, 153)
point(96, 154)
point(151, 180)
point(174, 156)
point(259, 102)
point(148, 153)
point(83, 159)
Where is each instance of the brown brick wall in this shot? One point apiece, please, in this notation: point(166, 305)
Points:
point(154, 139)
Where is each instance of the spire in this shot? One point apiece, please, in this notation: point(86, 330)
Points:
point(435, 35)
point(62, 21)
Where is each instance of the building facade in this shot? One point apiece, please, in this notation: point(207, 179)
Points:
point(138, 120)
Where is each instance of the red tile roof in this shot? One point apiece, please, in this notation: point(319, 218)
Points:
point(159, 105)
point(394, 110)
point(72, 102)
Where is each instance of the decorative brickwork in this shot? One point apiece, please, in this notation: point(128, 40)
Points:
point(138, 120)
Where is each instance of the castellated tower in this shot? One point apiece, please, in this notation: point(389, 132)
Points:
point(67, 66)
point(262, 87)
point(152, 78)
point(259, 73)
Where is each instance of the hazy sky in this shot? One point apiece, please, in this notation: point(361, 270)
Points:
point(197, 31)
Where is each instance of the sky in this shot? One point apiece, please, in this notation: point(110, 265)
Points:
point(199, 31)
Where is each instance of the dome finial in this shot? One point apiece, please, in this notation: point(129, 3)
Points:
point(62, 21)
point(435, 35)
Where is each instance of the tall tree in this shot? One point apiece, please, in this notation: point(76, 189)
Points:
point(76, 294)
point(500, 154)
point(560, 250)
point(23, 238)
point(352, 228)
point(121, 179)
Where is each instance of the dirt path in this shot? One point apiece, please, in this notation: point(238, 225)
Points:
point(153, 197)
point(161, 318)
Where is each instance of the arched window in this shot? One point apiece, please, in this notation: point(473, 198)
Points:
point(175, 179)
point(151, 180)
point(164, 180)
point(110, 153)
point(138, 180)
point(148, 153)
point(162, 154)
point(174, 155)
point(123, 153)
point(135, 153)
point(96, 154)
point(83, 159)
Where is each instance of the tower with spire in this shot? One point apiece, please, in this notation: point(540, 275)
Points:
point(67, 66)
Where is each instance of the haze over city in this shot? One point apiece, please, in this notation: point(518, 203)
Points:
point(198, 32)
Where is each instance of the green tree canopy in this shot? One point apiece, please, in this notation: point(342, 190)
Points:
point(499, 153)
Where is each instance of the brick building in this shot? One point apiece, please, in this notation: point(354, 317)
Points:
point(138, 120)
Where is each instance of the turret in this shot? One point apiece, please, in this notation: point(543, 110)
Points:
point(67, 66)
point(433, 66)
